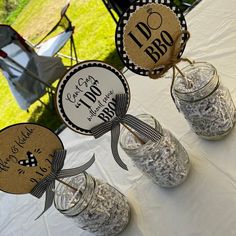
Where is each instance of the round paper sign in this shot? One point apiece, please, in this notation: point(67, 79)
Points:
point(148, 35)
point(86, 95)
point(26, 152)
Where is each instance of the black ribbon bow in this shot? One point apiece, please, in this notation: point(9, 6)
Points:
point(114, 125)
point(48, 183)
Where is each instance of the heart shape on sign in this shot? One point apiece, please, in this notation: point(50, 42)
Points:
point(30, 162)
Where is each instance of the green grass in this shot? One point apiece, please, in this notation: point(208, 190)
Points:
point(2, 13)
point(14, 14)
point(94, 39)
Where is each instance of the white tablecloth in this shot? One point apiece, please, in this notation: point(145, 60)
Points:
point(204, 205)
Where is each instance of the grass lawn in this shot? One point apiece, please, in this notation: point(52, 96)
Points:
point(94, 39)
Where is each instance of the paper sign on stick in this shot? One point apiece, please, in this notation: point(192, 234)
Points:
point(86, 95)
point(26, 152)
point(147, 34)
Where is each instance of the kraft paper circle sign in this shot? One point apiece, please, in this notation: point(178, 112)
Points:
point(86, 95)
point(26, 152)
point(148, 34)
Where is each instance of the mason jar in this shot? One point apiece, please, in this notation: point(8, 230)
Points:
point(206, 104)
point(96, 206)
point(166, 161)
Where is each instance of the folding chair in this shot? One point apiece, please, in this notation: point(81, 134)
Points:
point(51, 46)
point(29, 75)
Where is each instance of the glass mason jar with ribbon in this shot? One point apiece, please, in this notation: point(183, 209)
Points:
point(95, 206)
point(164, 160)
point(206, 104)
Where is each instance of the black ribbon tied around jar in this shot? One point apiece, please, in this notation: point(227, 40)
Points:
point(48, 183)
point(148, 132)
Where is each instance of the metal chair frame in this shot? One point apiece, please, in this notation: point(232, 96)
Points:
point(66, 24)
point(115, 6)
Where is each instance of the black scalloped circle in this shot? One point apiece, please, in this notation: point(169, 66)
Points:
point(66, 78)
point(120, 32)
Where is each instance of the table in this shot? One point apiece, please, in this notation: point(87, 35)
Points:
point(205, 204)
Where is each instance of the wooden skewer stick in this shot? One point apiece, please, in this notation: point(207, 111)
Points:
point(188, 82)
point(135, 135)
point(63, 182)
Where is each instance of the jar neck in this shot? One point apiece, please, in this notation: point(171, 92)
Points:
point(201, 91)
point(129, 143)
point(71, 203)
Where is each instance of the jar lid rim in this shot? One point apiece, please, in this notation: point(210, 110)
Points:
point(205, 85)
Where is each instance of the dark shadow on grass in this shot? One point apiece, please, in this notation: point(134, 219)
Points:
point(114, 60)
point(46, 117)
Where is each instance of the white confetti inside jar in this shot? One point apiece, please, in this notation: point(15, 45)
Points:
point(165, 161)
point(96, 207)
point(206, 104)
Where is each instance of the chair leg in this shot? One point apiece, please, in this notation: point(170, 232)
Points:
point(66, 56)
point(109, 9)
point(50, 105)
point(51, 99)
point(71, 53)
point(43, 103)
point(74, 49)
